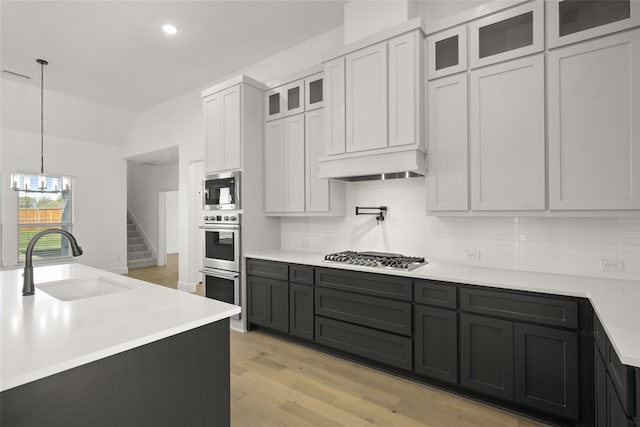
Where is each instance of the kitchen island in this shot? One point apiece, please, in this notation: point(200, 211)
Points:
point(96, 348)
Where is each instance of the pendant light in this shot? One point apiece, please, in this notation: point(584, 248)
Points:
point(21, 181)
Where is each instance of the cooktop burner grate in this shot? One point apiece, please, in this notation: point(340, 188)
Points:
point(377, 259)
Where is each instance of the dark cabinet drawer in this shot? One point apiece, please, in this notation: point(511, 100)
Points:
point(380, 346)
point(435, 293)
point(379, 313)
point(268, 269)
point(302, 274)
point(548, 311)
point(623, 379)
point(366, 283)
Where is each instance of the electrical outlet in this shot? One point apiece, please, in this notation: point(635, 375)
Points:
point(611, 265)
point(471, 255)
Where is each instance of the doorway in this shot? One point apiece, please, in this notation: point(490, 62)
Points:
point(168, 224)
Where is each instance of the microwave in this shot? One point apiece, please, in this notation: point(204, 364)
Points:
point(221, 191)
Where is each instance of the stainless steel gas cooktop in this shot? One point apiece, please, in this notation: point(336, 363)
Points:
point(376, 259)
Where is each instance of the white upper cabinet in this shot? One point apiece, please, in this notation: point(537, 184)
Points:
point(316, 189)
point(447, 179)
point(447, 52)
point(284, 100)
point(313, 87)
point(594, 124)
point(366, 98)
point(274, 104)
point(284, 165)
point(573, 21)
point(403, 106)
point(334, 102)
point(293, 96)
point(508, 136)
point(222, 130)
point(294, 163)
point(506, 35)
point(274, 159)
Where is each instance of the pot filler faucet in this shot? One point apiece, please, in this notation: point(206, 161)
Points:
point(27, 287)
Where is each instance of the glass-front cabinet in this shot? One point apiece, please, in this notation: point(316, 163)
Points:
point(293, 94)
point(571, 21)
point(447, 53)
point(507, 35)
point(274, 108)
point(313, 86)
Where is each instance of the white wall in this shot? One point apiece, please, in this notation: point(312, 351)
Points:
point(144, 183)
point(180, 122)
point(557, 245)
point(99, 193)
point(65, 116)
point(172, 221)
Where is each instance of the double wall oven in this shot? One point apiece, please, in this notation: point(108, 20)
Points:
point(221, 263)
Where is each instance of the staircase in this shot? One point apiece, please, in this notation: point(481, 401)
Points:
point(138, 253)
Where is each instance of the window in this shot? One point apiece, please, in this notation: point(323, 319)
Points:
point(44, 203)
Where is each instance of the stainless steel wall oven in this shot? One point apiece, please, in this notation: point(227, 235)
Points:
point(221, 263)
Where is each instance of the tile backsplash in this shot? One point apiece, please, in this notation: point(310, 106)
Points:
point(556, 245)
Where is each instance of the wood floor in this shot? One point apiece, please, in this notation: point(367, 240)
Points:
point(278, 383)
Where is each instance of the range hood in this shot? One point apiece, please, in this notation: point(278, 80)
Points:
point(373, 166)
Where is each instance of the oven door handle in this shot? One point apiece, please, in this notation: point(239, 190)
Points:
point(220, 273)
point(223, 227)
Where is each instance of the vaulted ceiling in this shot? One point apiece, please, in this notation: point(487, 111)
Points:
point(114, 52)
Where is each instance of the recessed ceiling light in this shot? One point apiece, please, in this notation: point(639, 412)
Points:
point(170, 29)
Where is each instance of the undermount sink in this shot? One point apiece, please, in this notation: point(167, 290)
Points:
point(80, 288)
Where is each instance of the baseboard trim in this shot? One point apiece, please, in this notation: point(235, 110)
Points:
point(187, 287)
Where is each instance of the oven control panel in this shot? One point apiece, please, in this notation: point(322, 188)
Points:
point(226, 218)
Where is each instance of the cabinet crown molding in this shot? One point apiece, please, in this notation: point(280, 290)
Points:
point(405, 27)
point(241, 78)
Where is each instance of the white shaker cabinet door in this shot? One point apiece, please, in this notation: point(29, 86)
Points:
point(594, 124)
point(231, 132)
point(274, 166)
point(222, 130)
point(317, 190)
point(447, 176)
point(405, 56)
point(294, 163)
point(334, 103)
point(366, 98)
point(213, 133)
point(508, 136)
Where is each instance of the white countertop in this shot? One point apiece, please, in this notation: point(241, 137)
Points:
point(41, 335)
point(616, 302)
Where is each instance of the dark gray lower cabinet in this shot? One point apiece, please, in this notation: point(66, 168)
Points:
point(301, 311)
point(269, 303)
point(486, 355)
point(529, 364)
point(376, 345)
point(436, 343)
point(616, 416)
point(600, 388)
point(546, 375)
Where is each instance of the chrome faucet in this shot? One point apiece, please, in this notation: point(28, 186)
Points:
point(28, 288)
